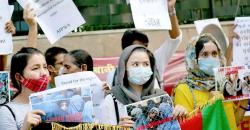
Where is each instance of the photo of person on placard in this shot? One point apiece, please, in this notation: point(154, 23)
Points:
point(246, 85)
point(232, 86)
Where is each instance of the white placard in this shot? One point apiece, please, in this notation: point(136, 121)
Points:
point(81, 78)
point(200, 24)
point(150, 14)
point(6, 45)
point(241, 47)
point(57, 18)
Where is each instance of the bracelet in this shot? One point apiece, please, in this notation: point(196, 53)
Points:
point(172, 13)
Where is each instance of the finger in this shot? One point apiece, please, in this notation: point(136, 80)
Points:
point(125, 118)
point(34, 122)
point(36, 116)
point(126, 124)
point(8, 23)
point(38, 112)
point(8, 30)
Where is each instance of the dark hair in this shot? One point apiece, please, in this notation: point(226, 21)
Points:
point(52, 52)
point(130, 36)
point(152, 64)
point(18, 63)
point(82, 57)
point(200, 44)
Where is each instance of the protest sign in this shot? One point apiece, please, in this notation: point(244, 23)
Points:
point(201, 24)
point(241, 46)
point(6, 45)
point(4, 87)
point(150, 14)
point(57, 18)
point(71, 104)
point(103, 66)
point(82, 78)
point(154, 113)
point(228, 82)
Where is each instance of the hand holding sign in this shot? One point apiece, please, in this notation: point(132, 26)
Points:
point(171, 5)
point(10, 28)
point(29, 15)
point(57, 18)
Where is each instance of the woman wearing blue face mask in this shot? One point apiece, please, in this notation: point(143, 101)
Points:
point(202, 55)
point(134, 82)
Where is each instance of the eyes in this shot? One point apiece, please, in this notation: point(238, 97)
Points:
point(207, 54)
point(37, 67)
point(67, 67)
point(137, 64)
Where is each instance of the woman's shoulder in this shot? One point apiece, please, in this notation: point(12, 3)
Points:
point(182, 86)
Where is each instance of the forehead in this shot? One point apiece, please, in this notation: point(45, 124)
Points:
point(68, 59)
point(138, 55)
point(210, 46)
point(36, 59)
point(59, 57)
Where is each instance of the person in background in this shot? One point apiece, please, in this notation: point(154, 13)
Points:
point(77, 61)
point(54, 58)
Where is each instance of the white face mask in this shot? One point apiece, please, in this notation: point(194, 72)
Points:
point(61, 71)
point(139, 75)
point(207, 65)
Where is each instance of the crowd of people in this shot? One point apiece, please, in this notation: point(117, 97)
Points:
point(139, 76)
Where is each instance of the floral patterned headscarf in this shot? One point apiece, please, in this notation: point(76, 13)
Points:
point(196, 78)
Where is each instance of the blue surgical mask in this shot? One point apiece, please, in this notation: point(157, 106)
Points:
point(207, 65)
point(139, 75)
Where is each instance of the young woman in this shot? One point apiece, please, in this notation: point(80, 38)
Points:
point(134, 82)
point(28, 74)
point(202, 55)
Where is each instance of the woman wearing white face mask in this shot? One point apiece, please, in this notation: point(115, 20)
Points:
point(134, 82)
point(202, 55)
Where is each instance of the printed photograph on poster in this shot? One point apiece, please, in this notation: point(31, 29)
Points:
point(228, 81)
point(4, 87)
point(154, 113)
point(244, 75)
point(80, 78)
point(72, 104)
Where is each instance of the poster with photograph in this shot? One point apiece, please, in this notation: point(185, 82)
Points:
point(83, 78)
point(71, 104)
point(154, 114)
point(4, 87)
point(228, 81)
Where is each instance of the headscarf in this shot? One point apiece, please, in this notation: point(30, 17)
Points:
point(196, 78)
point(123, 93)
